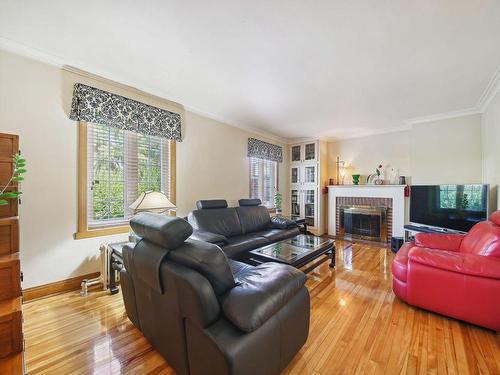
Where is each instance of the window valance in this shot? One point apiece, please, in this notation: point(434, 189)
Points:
point(98, 106)
point(264, 150)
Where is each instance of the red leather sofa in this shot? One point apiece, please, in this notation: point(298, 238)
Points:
point(453, 274)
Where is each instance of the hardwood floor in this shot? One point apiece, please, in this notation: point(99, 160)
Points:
point(357, 327)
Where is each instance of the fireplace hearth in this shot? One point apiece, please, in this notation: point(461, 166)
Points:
point(363, 222)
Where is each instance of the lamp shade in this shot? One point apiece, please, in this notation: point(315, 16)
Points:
point(153, 201)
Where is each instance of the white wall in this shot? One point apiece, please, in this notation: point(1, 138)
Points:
point(211, 163)
point(363, 155)
point(491, 147)
point(446, 151)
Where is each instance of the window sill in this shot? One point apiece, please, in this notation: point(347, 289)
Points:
point(101, 232)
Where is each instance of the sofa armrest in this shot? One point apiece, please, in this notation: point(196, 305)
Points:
point(260, 293)
point(279, 222)
point(450, 242)
point(205, 236)
point(469, 264)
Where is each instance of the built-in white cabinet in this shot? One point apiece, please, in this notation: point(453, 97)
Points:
point(304, 175)
point(304, 183)
point(305, 205)
point(304, 152)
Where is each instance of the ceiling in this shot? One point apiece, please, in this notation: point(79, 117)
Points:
point(293, 68)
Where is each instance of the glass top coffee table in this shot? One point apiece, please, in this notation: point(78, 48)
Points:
point(296, 251)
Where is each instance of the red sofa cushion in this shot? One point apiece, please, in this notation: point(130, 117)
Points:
point(469, 264)
point(483, 239)
point(443, 241)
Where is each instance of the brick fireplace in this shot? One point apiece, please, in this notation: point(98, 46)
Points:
point(364, 218)
point(382, 207)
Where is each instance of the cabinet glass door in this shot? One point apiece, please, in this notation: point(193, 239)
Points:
point(295, 201)
point(295, 179)
point(310, 207)
point(310, 175)
point(310, 152)
point(296, 154)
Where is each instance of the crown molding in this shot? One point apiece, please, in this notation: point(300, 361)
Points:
point(488, 94)
point(37, 55)
point(368, 133)
point(442, 116)
point(239, 125)
point(490, 91)
point(32, 53)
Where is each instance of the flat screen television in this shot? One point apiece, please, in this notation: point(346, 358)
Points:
point(455, 207)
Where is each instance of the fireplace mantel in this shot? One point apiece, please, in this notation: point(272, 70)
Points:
point(394, 192)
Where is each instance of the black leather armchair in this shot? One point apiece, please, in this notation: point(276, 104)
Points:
point(207, 314)
point(237, 230)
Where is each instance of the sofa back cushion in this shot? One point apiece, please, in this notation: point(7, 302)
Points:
point(482, 239)
point(253, 218)
point(165, 231)
point(209, 260)
point(224, 221)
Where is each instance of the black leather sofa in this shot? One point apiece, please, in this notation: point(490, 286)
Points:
point(237, 230)
point(207, 314)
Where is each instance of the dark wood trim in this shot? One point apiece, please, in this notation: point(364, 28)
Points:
point(57, 287)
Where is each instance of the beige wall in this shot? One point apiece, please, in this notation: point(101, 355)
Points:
point(446, 151)
point(491, 148)
point(211, 163)
point(363, 155)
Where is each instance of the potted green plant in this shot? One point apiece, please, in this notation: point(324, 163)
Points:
point(16, 176)
point(278, 201)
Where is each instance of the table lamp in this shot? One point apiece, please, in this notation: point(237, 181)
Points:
point(152, 201)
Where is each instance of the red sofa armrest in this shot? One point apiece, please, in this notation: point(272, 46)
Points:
point(450, 242)
point(469, 264)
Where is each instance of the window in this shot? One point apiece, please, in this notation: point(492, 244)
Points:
point(263, 180)
point(115, 167)
point(466, 197)
point(448, 196)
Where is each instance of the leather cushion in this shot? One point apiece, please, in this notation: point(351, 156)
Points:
point(166, 231)
point(253, 218)
point(206, 204)
point(223, 221)
point(441, 241)
point(241, 244)
point(482, 239)
point(237, 267)
point(260, 293)
point(250, 202)
point(209, 260)
point(215, 238)
point(495, 218)
point(469, 264)
point(275, 235)
point(400, 262)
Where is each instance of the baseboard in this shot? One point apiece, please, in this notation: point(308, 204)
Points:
point(57, 287)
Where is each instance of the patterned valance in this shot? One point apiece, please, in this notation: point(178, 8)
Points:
point(98, 106)
point(264, 150)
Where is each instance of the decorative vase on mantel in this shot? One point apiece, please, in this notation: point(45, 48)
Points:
point(355, 179)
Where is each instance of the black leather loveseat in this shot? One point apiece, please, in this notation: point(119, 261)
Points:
point(237, 230)
point(207, 314)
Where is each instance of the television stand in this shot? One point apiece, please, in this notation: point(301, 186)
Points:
point(410, 230)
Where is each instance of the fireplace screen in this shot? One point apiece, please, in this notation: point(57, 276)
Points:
point(363, 222)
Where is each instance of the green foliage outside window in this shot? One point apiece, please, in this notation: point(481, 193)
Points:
point(122, 163)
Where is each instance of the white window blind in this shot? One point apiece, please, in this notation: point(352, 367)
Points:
point(263, 180)
point(120, 166)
